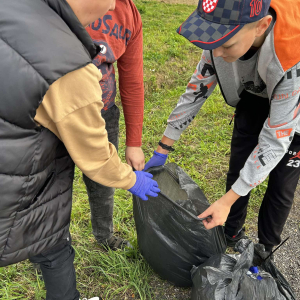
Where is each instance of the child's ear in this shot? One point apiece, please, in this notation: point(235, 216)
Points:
point(263, 25)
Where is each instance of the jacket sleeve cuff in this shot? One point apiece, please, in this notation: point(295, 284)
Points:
point(172, 133)
point(132, 182)
point(134, 144)
point(241, 187)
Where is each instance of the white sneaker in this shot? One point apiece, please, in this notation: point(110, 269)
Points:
point(94, 298)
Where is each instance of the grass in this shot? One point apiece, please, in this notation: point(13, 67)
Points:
point(203, 151)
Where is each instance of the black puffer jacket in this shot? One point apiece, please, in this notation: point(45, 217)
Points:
point(40, 41)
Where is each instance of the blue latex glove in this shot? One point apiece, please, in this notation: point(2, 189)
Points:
point(144, 186)
point(158, 159)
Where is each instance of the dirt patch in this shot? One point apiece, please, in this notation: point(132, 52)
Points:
point(163, 290)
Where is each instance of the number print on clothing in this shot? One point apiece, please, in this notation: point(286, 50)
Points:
point(293, 163)
point(256, 6)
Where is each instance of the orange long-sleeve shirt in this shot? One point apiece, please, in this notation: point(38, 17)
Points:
point(120, 37)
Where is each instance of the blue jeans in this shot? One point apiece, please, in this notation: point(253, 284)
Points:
point(101, 198)
point(58, 271)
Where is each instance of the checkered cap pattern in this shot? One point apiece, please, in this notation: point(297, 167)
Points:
point(195, 29)
point(215, 21)
point(226, 12)
point(209, 5)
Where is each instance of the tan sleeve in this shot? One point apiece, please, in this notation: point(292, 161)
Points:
point(71, 109)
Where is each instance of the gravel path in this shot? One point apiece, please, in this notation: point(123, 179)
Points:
point(287, 258)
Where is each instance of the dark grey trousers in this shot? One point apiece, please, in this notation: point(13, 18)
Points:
point(251, 113)
point(101, 198)
point(58, 271)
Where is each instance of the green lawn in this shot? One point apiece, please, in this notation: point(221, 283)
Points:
point(203, 151)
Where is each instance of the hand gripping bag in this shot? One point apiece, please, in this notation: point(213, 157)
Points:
point(170, 236)
point(226, 277)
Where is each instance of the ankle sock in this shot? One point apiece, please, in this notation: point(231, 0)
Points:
point(232, 232)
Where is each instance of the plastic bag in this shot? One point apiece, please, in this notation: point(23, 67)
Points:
point(268, 265)
point(227, 277)
point(170, 236)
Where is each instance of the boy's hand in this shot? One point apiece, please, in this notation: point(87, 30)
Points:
point(160, 155)
point(144, 186)
point(219, 210)
point(158, 159)
point(135, 157)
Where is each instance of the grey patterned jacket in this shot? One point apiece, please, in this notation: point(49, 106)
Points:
point(279, 73)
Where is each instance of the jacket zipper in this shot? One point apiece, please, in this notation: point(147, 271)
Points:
point(218, 80)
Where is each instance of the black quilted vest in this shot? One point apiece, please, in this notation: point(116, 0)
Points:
point(40, 41)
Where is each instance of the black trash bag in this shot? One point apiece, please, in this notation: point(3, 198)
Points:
point(226, 277)
point(268, 265)
point(170, 236)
